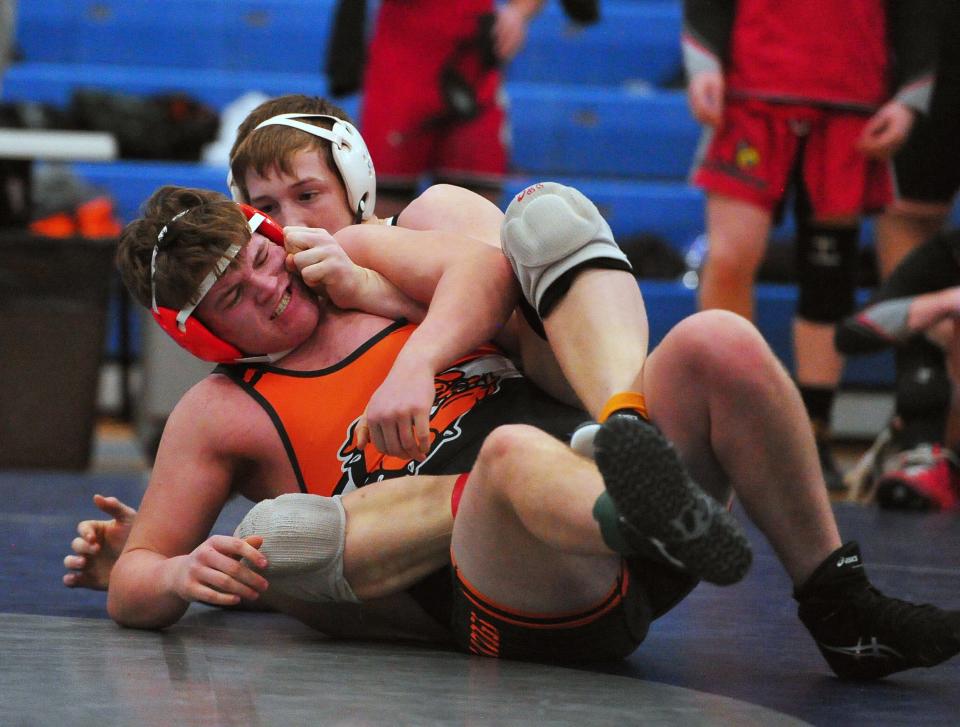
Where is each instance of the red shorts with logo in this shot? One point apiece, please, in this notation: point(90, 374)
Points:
point(402, 99)
point(752, 154)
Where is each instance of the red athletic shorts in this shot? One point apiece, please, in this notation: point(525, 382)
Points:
point(752, 154)
point(402, 99)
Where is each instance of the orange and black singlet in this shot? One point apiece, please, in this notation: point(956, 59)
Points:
point(316, 412)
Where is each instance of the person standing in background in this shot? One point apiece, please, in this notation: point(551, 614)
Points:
point(916, 308)
point(927, 177)
point(433, 103)
point(791, 102)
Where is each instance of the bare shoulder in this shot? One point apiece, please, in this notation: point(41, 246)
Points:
point(364, 233)
point(448, 207)
point(212, 394)
point(217, 415)
point(373, 245)
point(218, 440)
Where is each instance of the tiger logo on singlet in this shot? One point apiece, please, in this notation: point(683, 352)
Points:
point(457, 391)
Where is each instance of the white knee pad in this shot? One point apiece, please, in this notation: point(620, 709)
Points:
point(303, 540)
point(549, 229)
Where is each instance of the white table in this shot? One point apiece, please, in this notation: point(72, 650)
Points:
point(48, 144)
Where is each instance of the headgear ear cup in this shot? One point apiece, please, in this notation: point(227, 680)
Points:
point(234, 188)
point(266, 226)
point(353, 160)
point(196, 337)
point(350, 154)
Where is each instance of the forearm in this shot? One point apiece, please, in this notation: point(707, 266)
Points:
point(470, 306)
point(140, 594)
point(893, 321)
point(468, 285)
point(930, 308)
point(379, 296)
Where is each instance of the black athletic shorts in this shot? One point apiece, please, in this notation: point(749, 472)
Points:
point(927, 167)
point(612, 629)
point(517, 402)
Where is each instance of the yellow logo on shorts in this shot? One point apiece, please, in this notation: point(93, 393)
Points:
point(747, 156)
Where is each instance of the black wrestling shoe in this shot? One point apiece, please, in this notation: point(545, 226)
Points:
point(662, 512)
point(864, 634)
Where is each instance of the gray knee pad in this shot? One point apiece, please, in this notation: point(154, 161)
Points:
point(550, 229)
point(826, 273)
point(303, 540)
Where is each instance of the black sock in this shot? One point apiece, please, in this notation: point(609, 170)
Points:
point(839, 571)
point(818, 401)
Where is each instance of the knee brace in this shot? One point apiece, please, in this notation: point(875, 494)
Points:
point(303, 540)
point(549, 234)
point(826, 272)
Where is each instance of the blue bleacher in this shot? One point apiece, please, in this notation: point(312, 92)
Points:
point(633, 44)
point(130, 182)
point(592, 107)
point(602, 132)
point(229, 35)
point(637, 40)
point(672, 210)
point(53, 83)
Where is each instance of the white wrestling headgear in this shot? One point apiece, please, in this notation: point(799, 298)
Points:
point(349, 154)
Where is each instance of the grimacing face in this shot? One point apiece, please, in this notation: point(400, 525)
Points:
point(312, 195)
point(258, 305)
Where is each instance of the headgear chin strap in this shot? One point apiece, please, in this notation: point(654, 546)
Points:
point(185, 329)
point(349, 154)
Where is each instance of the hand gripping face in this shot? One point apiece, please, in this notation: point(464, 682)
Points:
point(185, 329)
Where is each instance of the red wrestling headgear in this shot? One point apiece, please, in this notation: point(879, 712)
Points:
point(186, 330)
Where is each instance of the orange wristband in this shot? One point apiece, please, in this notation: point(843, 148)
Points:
point(624, 400)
